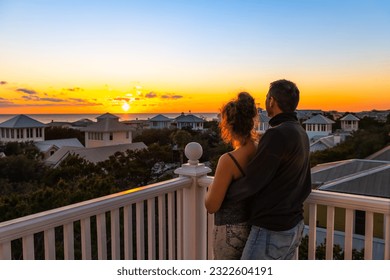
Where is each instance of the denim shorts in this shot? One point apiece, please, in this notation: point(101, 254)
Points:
point(264, 244)
point(229, 241)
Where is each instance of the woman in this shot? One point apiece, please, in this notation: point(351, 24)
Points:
point(238, 118)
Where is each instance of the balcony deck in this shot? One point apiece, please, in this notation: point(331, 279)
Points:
point(167, 220)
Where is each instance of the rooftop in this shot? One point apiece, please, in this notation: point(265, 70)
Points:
point(319, 119)
point(21, 121)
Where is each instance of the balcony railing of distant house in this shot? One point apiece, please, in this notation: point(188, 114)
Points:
point(166, 220)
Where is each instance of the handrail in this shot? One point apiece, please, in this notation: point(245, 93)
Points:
point(17, 228)
point(350, 201)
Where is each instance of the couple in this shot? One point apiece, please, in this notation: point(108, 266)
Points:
point(259, 188)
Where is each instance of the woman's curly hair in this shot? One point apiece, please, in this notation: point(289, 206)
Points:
point(238, 119)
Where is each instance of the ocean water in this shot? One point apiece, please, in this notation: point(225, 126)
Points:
point(47, 118)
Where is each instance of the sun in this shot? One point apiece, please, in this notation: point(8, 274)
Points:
point(125, 107)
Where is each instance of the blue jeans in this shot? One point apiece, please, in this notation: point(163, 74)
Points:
point(263, 244)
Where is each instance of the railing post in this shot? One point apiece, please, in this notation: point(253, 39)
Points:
point(194, 211)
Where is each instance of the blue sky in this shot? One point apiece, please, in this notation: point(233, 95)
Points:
point(333, 50)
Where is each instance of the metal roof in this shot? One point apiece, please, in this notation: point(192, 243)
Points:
point(349, 117)
point(318, 119)
point(383, 154)
point(69, 142)
point(372, 182)
point(160, 118)
point(263, 117)
point(107, 125)
point(94, 155)
point(357, 176)
point(107, 116)
point(188, 118)
point(21, 121)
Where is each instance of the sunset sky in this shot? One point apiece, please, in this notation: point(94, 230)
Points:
point(173, 56)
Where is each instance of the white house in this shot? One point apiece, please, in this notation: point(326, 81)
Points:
point(263, 124)
point(107, 131)
point(160, 121)
point(49, 147)
point(349, 123)
point(325, 142)
point(318, 126)
point(190, 121)
point(93, 155)
point(22, 128)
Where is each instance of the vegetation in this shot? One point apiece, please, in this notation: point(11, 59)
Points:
point(338, 252)
point(28, 186)
point(371, 137)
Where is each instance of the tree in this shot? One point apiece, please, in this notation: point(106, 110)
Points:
point(64, 133)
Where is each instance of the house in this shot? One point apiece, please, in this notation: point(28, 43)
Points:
point(160, 121)
point(318, 125)
point(307, 114)
point(107, 131)
point(22, 128)
point(349, 123)
point(137, 124)
point(49, 147)
point(94, 154)
point(323, 143)
point(188, 121)
point(263, 124)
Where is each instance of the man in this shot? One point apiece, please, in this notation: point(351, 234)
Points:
point(278, 179)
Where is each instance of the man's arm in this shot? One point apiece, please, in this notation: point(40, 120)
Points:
point(261, 169)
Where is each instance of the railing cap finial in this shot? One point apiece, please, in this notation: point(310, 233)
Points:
point(193, 152)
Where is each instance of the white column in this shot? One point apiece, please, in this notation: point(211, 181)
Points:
point(194, 211)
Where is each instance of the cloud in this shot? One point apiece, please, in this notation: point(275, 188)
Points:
point(30, 97)
point(78, 100)
point(126, 99)
point(3, 83)
point(75, 89)
point(28, 91)
point(171, 96)
point(151, 95)
point(5, 102)
point(52, 99)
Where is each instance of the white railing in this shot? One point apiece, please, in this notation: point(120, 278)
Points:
point(351, 203)
point(166, 220)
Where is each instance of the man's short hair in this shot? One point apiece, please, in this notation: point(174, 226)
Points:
point(286, 94)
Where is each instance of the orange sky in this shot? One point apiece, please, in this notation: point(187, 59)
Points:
point(180, 56)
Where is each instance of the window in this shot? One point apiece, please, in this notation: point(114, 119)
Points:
point(111, 136)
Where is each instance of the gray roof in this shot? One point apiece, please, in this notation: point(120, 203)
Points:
point(107, 116)
point(59, 143)
point(263, 117)
point(160, 118)
point(349, 117)
point(318, 119)
point(82, 122)
point(21, 121)
point(107, 125)
point(373, 182)
point(94, 155)
point(356, 176)
point(188, 118)
point(327, 141)
point(383, 154)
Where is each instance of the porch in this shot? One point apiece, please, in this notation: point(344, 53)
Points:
point(168, 220)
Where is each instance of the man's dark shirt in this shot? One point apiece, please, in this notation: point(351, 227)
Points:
point(278, 178)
